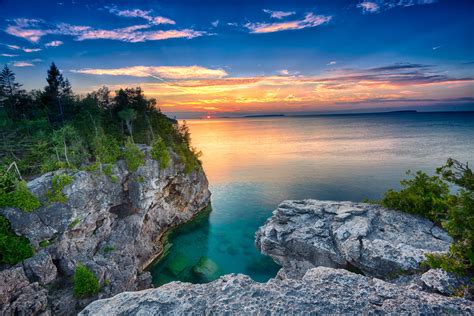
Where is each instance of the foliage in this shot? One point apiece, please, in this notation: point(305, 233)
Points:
point(85, 282)
point(15, 193)
point(422, 195)
point(44, 243)
point(160, 152)
point(58, 182)
point(74, 223)
point(430, 197)
point(134, 157)
point(53, 129)
point(13, 248)
point(109, 248)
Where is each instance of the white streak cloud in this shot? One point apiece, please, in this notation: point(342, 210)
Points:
point(53, 44)
point(310, 20)
point(160, 72)
point(137, 13)
point(278, 14)
point(22, 64)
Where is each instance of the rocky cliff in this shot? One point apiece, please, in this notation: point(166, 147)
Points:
point(110, 223)
point(317, 243)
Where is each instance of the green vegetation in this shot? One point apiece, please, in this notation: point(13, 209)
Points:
point(74, 223)
point(109, 248)
point(85, 282)
point(431, 197)
point(58, 182)
point(14, 193)
point(134, 157)
point(13, 248)
point(44, 243)
point(160, 152)
point(52, 128)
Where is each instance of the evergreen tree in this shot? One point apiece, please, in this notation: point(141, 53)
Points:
point(57, 94)
point(9, 93)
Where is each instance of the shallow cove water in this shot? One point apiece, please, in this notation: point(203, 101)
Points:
point(254, 163)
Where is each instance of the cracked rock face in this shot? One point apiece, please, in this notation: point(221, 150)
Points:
point(357, 236)
point(110, 224)
point(320, 291)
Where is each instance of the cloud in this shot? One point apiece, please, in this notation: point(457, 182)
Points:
point(132, 34)
point(284, 72)
point(53, 44)
point(368, 6)
point(375, 6)
point(8, 55)
point(310, 20)
point(278, 14)
point(331, 63)
point(22, 64)
point(437, 47)
point(31, 50)
point(405, 83)
point(26, 50)
point(215, 23)
point(160, 72)
point(137, 13)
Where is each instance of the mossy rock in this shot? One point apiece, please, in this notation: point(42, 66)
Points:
point(178, 264)
point(205, 269)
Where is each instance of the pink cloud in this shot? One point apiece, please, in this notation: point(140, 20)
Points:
point(310, 20)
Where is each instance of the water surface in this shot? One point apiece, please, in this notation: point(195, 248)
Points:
point(253, 164)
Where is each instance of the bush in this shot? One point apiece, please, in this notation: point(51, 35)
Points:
point(189, 157)
point(423, 195)
point(85, 282)
point(134, 157)
point(160, 152)
point(15, 193)
point(13, 248)
point(106, 148)
point(58, 182)
point(430, 197)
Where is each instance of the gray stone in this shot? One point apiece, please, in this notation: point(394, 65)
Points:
point(443, 282)
point(40, 268)
point(320, 291)
point(375, 240)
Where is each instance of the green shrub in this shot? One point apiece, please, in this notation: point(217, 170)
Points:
point(74, 223)
point(109, 248)
point(134, 157)
point(44, 243)
point(423, 195)
point(430, 197)
point(58, 182)
point(159, 152)
point(15, 193)
point(106, 148)
point(13, 248)
point(85, 282)
point(188, 156)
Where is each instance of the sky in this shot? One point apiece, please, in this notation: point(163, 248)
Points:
point(250, 56)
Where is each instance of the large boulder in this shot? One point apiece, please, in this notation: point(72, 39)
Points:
point(361, 237)
point(110, 223)
point(320, 291)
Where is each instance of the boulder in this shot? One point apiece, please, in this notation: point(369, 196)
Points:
point(360, 237)
point(320, 291)
point(40, 268)
point(443, 282)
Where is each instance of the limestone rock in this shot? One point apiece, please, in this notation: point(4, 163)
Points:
point(112, 224)
point(320, 291)
point(443, 282)
point(363, 237)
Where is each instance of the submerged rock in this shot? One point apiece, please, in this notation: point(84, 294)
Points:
point(357, 236)
point(112, 224)
point(205, 269)
point(320, 291)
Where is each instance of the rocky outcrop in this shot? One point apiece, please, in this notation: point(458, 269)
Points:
point(110, 223)
point(360, 237)
point(320, 291)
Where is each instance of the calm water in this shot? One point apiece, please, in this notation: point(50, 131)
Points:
point(254, 164)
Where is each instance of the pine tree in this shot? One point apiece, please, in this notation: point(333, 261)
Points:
point(56, 94)
point(10, 94)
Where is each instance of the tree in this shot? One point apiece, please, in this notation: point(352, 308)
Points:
point(11, 96)
point(57, 94)
point(128, 115)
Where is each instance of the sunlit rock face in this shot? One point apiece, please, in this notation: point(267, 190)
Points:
point(112, 224)
point(361, 237)
point(320, 291)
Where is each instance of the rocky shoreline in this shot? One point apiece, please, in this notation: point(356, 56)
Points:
point(336, 258)
point(110, 223)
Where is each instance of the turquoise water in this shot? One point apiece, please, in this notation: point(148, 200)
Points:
point(253, 164)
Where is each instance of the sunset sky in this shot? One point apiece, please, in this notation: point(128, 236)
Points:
point(250, 56)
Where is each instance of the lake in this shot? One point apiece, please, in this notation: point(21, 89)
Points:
point(255, 163)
